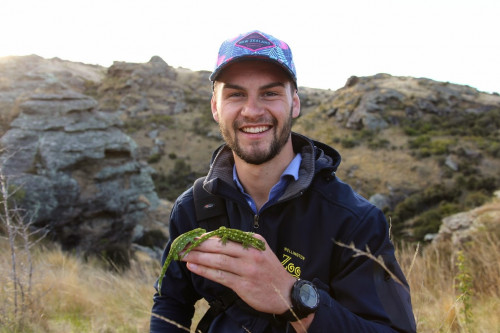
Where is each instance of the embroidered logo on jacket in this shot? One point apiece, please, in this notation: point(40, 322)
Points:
point(290, 258)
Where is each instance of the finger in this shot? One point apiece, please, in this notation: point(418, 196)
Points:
point(214, 260)
point(223, 277)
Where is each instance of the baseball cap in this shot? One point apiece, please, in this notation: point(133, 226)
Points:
point(258, 45)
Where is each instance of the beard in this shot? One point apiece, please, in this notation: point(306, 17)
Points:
point(253, 154)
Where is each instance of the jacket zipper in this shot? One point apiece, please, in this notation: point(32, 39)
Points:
point(256, 221)
point(257, 216)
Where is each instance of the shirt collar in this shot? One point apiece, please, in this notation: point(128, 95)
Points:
point(291, 170)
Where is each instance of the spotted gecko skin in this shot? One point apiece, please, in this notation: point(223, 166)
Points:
point(246, 239)
point(175, 249)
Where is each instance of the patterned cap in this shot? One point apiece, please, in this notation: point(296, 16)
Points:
point(255, 44)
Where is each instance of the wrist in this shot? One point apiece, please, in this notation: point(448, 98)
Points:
point(304, 301)
point(285, 295)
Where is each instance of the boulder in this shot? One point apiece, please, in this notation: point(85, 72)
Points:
point(461, 227)
point(140, 90)
point(380, 200)
point(78, 173)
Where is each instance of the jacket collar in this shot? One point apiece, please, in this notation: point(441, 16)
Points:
point(316, 157)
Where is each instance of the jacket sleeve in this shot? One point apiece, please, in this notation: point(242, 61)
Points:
point(362, 296)
point(175, 306)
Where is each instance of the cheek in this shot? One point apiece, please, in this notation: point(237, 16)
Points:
point(227, 113)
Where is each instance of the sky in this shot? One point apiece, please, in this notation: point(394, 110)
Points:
point(455, 41)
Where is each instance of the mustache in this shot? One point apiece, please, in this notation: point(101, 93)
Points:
point(259, 121)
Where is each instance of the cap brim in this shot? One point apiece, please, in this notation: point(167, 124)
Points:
point(218, 70)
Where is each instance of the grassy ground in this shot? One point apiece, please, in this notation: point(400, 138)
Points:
point(69, 295)
point(453, 289)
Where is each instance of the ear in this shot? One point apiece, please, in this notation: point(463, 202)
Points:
point(295, 105)
point(213, 105)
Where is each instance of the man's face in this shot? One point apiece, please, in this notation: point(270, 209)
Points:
point(254, 103)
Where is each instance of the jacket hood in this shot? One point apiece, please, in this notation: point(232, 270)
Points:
point(316, 157)
point(324, 155)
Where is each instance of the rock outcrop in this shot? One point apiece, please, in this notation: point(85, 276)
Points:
point(461, 227)
point(379, 101)
point(78, 173)
point(20, 77)
point(142, 89)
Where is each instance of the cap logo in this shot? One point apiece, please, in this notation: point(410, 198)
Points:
point(254, 42)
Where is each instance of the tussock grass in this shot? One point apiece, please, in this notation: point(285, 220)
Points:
point(439, 302)
point(70, 295)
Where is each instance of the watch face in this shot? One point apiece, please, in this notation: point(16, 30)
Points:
point(308, 295)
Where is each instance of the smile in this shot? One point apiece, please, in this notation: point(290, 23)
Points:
point(254, 130)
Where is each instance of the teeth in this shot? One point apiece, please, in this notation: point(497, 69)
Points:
point(259, 129)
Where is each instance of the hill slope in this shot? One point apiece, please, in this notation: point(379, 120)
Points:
point(420, 149)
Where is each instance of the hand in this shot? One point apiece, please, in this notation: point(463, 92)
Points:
point(256, 276)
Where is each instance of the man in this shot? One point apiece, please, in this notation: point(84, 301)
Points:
point(281, 186)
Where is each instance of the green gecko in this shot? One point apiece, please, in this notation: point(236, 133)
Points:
point(245, 238)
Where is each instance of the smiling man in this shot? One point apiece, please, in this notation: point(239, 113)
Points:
point(259, 102)
point(281, 186)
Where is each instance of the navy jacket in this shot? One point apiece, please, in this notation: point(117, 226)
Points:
point(302, 228)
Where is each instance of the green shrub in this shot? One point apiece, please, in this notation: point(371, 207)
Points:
point(430, 221)
point(493, 149)
point(422, 201)
point(429, 206)
point(475, 199)
point(179, 179)
point(414, 127)
point(420, 141)
point(155, 158)
point(427, 223)
point(204, 123)
point(477, 182)
point(378, 143)
point(424, 146)
point(484, 124)
point(349, 142)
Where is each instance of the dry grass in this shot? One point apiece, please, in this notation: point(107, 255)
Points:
point(70, 295)
point(434, 277)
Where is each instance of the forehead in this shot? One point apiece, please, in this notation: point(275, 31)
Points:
point(253, 69)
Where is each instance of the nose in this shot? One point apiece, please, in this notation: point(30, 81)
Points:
point(253, 108)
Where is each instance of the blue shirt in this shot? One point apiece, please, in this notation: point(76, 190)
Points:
point(291, 172)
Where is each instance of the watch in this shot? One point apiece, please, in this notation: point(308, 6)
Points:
point(305, 300)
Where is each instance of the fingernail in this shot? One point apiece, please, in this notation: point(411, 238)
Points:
point(192, 266)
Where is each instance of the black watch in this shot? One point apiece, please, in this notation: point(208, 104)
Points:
point(305, 300)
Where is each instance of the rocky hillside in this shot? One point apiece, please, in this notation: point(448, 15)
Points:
point(75, 173)
point(91, 142)
point(418, 148)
